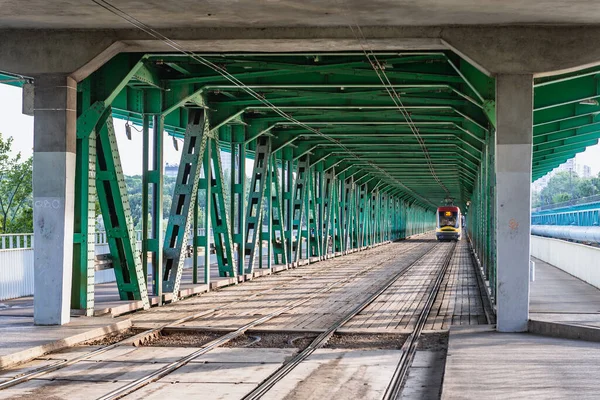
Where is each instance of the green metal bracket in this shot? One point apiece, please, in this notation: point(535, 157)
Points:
point(489, 107)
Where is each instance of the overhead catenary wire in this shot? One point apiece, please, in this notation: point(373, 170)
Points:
point(203, 61)
point(391, 90)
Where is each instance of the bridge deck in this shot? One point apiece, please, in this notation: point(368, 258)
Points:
point(394, 311)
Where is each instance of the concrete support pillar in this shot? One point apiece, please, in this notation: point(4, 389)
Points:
point(514, 118)
point(53, 196)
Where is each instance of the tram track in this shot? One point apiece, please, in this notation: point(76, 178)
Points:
point(408, 349)
point(153, 332)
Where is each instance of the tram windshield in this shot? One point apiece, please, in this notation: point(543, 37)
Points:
point(448, 218)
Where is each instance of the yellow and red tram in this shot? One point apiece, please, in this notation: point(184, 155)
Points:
point(448, 223)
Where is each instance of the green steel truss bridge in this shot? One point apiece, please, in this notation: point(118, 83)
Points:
point(337, 164)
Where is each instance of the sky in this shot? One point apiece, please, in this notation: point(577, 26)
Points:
point(13, 123)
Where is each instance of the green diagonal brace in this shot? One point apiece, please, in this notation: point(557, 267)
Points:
point(114, 203)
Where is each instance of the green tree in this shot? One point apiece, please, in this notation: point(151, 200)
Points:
point(536, 199)
point(564, 185)
point(16, 214)
point(561, 197)
point(588, 187)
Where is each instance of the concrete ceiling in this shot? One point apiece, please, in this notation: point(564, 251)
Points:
point(84, 14)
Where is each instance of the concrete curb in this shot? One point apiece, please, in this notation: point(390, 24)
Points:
point(37, 351)
point(564, 331)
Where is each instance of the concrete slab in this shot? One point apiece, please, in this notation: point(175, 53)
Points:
point(222, 372)
point(516, 366)
point(250, 355)
point(103, 371)
point(59, 389)
point(132, 354)
point(69, 353)
point(338, 374)
point(31, 366)
point(20, 340)
point(187, 390)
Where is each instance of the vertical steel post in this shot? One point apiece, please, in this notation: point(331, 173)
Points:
point(82, 293)
point(287, 183)
point(238, 192)
point(145, 209)
point(155, 178)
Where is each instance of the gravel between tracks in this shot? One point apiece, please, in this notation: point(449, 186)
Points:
point(111, 338)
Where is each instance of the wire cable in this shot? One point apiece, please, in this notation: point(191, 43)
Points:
point(391, 90)
point(231, 78)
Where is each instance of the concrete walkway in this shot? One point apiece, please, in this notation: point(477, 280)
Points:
point(559, 297)
point(484, 364)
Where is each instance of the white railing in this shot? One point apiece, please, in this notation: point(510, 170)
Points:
point(25, 240)
point(16, 241)
point(16, 263)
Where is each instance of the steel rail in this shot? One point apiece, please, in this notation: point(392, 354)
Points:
point(139, 338)
point(409, 348)
point(65, 363)
point(322, 339)
point(167, 369)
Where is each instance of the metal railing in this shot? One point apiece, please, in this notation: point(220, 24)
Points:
point(574, 202)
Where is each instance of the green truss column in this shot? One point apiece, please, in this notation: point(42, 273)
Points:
point(145, 195)
point(205, 186)
point(363, 213)
point(328, 188)
point(267, 217)
point(335, 230)
point(152, 178)
point(82, 293)
point(491, 220)
point(313, 245)
point(184, 200)
point(278, 238)
point(238, 191)
point(287, 182)
point(355, 215)
point(218, 212)
point(254, 212)
point(297, 209)
point(345, 212)
point(114, 203)
point(372, 216)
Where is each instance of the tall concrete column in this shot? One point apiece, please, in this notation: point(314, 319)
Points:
point(514, 137)
point(54, 130)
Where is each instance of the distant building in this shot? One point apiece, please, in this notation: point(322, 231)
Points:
point(171, 170)
point(582, 170)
